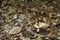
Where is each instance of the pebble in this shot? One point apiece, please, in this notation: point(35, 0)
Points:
point(6, 27)
point(41, 25)
point(58, 15)
point(58, 38)
point(36, 16)
point(34, 9)
point(1, 19)
point(15, 30)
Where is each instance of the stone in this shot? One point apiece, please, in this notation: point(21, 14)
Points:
point(1, 19)
point(41, 25)
point(6, 27)
point(58, 38)
point(15, 30)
